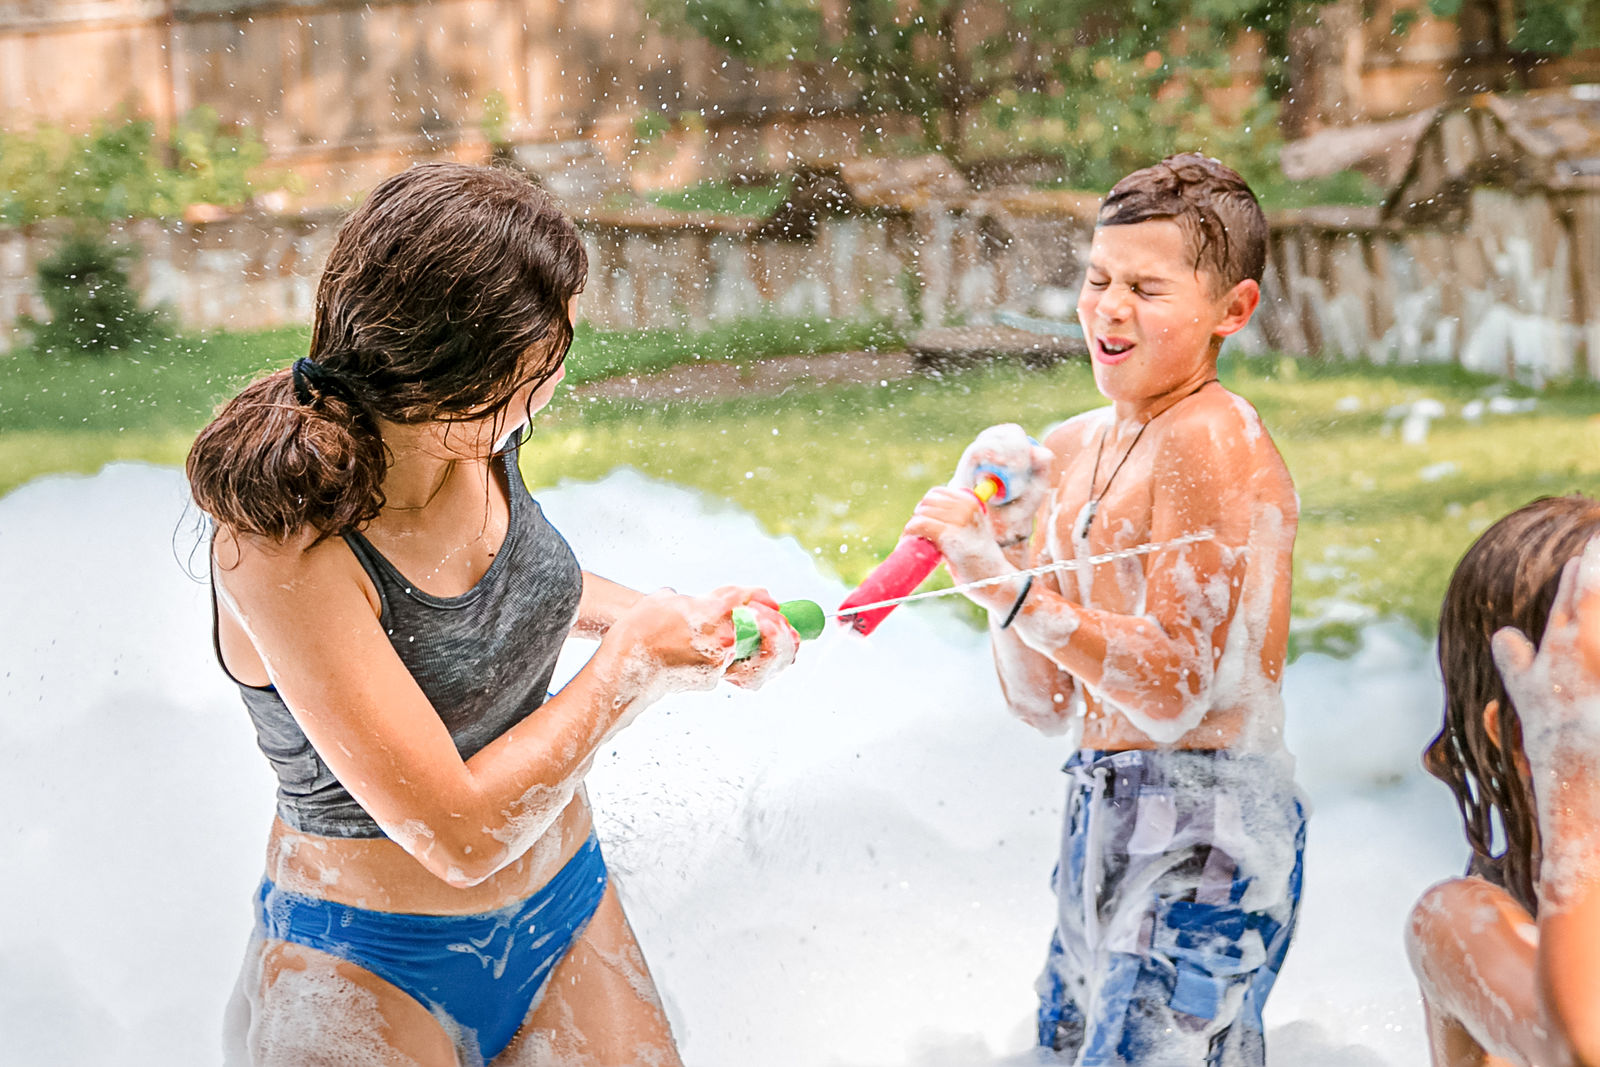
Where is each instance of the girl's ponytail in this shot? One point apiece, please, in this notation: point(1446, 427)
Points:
point(290, 453)
point(445, 293)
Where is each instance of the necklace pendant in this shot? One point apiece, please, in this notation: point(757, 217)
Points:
point(1088, 517)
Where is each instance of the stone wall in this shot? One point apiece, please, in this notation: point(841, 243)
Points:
point(1515, 290)
point(646, 267)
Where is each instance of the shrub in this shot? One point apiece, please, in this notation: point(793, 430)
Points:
point(123, 170)
point(93, 305)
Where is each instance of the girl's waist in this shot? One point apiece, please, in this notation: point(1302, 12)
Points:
point(378, 875)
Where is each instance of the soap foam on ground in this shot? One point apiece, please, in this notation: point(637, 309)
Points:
point(850, 867)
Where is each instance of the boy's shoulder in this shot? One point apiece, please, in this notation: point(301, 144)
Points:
point(1216, 422)
point(1217, 411)
point(1218, 440)
point(1080, 430)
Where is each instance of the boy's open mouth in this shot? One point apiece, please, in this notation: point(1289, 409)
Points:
point(1112, 349)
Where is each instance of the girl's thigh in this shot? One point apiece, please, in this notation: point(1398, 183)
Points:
point(299, 1007)
point(600, 1007)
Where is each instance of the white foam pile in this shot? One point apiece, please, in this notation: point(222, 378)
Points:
point(849, 867)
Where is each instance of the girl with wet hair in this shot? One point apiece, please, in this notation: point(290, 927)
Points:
point(1508, 957)
point(391, 602)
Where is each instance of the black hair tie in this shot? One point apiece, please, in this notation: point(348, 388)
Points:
point(311, 380)
point(1011, 615)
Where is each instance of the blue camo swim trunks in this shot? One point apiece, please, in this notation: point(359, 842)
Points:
point(1177, 889)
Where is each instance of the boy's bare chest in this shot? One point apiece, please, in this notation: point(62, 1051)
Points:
point(1096, 512)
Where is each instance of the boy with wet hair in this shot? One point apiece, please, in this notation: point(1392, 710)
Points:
point(1180, 865)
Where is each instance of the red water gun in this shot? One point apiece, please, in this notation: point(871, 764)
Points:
point(914, 558)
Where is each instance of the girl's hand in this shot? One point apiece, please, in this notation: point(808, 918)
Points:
point(668, 642)
point(683, 643)
point(1557, 687)
point(955, 521)
point(1027, 463)
point(779, 642)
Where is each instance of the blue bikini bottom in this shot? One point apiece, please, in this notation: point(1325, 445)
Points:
point(483, 973)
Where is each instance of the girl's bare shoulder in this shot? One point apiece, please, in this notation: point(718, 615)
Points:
point(304, 568)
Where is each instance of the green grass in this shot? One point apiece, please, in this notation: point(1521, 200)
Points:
point(839, 469)
point(172, 385)
point(74, 414)
point(724, 199)
point(600, 354)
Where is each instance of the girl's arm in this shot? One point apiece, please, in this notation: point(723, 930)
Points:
point(602, 604)
point(308, 615)
point(1474, 951)
point(1497, 982)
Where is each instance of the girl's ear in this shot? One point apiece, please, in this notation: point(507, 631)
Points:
point(1519, 758)
point(1491, 721)
point(1237, 307)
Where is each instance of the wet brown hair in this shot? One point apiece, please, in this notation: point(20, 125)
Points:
point(1224, 228)
point(444, 293)
point(1507, 578)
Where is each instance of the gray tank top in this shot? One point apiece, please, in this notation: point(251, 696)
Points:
point(484, 659)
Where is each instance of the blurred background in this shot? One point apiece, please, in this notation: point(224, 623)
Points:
point(829, 241)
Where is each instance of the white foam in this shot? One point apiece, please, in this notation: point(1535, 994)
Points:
point(858, 857)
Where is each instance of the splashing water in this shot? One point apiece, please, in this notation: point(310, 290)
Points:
point(850, 867)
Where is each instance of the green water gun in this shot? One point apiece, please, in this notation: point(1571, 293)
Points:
point(804, 615)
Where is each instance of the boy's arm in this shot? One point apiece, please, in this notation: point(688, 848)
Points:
point(1036, 690)
point(1156, 667)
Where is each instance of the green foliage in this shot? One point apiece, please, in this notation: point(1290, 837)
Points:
point(931, 60)
point(1535, 27)
point(120, 170)
point(897, 56)
point(765, 33)
point(651, 126)
point(1548, 28)
point(1112, 116)
point(93, 306)
point(1277, 192)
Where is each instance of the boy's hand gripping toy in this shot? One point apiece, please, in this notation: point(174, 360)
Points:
point(914, 558)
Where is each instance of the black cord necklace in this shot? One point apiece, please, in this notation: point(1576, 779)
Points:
point(1094, 476)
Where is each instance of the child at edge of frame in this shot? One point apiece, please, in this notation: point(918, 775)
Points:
point(1505, 955)
point(1179, 875)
